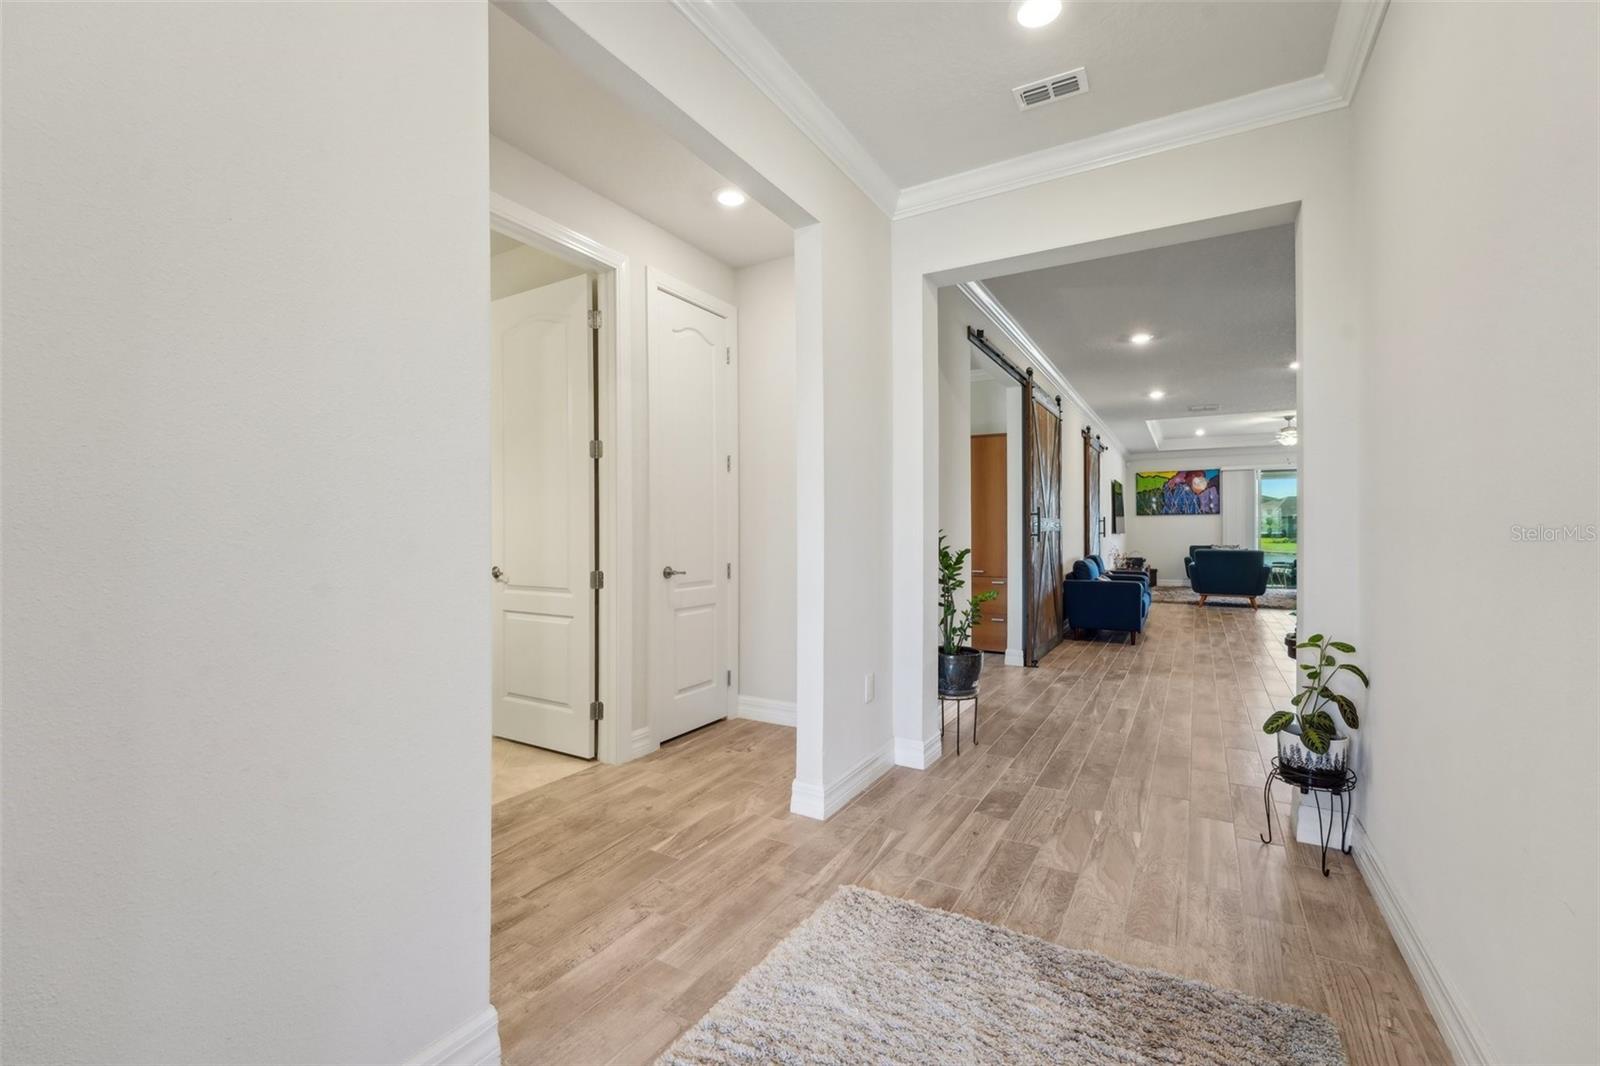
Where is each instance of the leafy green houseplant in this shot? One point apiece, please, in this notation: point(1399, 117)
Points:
point(959, 664)
point(1308, 737)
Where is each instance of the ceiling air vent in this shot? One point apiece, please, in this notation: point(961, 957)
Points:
point(1049, 90)
point(1203, 407)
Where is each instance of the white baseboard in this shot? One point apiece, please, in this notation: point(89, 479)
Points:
point(760, 709)
point(1466, 1040)
point(643, 743)
point(475, 1043)
point(824, 801)
point(1014, 657)
point(917, 754)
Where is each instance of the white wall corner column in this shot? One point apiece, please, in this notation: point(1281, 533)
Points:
point(810, 535)
point(916, 517)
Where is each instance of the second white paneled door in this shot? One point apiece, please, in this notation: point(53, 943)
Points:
point(542, 479)
point(693, 508)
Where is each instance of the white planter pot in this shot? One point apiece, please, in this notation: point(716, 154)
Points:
point(1294, 755)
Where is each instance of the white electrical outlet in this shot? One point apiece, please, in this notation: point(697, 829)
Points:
point(869, 689)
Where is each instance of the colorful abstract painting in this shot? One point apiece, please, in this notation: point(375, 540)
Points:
point(1178, 492)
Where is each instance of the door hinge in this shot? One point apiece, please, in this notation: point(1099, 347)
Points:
point(727, 356)
point(597, 579)
point(596, 449)
point(730, 678)
point(594, 318)
point(597, 711)
point(729, 464)
point(730, 569)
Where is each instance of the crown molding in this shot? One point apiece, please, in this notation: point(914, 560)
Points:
point(1281, 103)
point(737, 38)
point(1355, 30)
point(984, 301)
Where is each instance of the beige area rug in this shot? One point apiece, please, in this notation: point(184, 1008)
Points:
point(1278, 599)
point(873, 979)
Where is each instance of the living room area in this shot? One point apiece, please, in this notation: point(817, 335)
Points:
point(1167, 382)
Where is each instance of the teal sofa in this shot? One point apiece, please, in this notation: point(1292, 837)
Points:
point(1227, 572)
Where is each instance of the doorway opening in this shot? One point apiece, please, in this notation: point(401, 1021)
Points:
point(545, 478)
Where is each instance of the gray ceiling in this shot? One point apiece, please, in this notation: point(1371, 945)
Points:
point(925, 85)
point(1223, 313)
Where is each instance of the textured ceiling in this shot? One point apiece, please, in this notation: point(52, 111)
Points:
point(545, 105)
point(926, 86)
point(1222, 310)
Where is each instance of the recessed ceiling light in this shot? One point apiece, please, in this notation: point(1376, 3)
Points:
point(731, 197)
point(1141, 338)
point(1156, 394)
point(1200, 432)
point(1295, 365)
point(1036, 13)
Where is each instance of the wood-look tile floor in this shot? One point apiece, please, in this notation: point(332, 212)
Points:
point(1113, 803)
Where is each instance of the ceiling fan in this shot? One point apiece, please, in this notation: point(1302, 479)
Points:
point(1289, 435)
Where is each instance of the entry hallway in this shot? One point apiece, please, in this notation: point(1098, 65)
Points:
point(1113, 803)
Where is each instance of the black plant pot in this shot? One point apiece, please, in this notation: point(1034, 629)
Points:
point(1288, 642)
point(958, 673)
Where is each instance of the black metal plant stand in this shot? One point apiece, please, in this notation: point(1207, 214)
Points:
point(958, 698)
point(1336, 783)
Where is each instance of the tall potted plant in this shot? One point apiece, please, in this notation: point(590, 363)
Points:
point(1308, 739)
point(959, 664)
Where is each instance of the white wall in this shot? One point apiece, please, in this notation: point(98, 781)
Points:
point(1073, 419)
point(767, 483)
point(1304, 163)
point(1165, 539)
point(991, 402)
point(246, 525)
point(523, 268)
point(1478, 212)
point(955, 416)
point(655, 57)
point(537, 186)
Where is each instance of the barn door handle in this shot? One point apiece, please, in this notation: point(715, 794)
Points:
point(1036, 524)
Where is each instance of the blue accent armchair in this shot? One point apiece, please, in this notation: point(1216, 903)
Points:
point(1095, 599)
point(1188, 560)
point(1228, 572)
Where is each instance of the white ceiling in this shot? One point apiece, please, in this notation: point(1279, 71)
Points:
point(543, 104)
point(925, 85)
point(1222, 311)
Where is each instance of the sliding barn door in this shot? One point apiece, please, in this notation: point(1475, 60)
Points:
point(1041, 442)
point(1091, 493)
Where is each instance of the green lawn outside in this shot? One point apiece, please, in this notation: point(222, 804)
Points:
point(1280, 545)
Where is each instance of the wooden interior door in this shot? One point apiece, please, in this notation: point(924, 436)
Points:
point(990, 520)
point(1041, 456)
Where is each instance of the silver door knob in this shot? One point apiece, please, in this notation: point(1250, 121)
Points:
point(497, 573)
point(669, 573)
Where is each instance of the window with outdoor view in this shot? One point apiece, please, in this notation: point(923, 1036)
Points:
point(1280, 524)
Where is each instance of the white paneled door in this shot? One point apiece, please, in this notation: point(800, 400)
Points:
point(544, 513)
point(693, 508)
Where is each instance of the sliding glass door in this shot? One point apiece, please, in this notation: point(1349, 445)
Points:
point(1279, 524)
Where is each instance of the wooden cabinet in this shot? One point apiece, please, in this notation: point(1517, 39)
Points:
point(990, 515)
